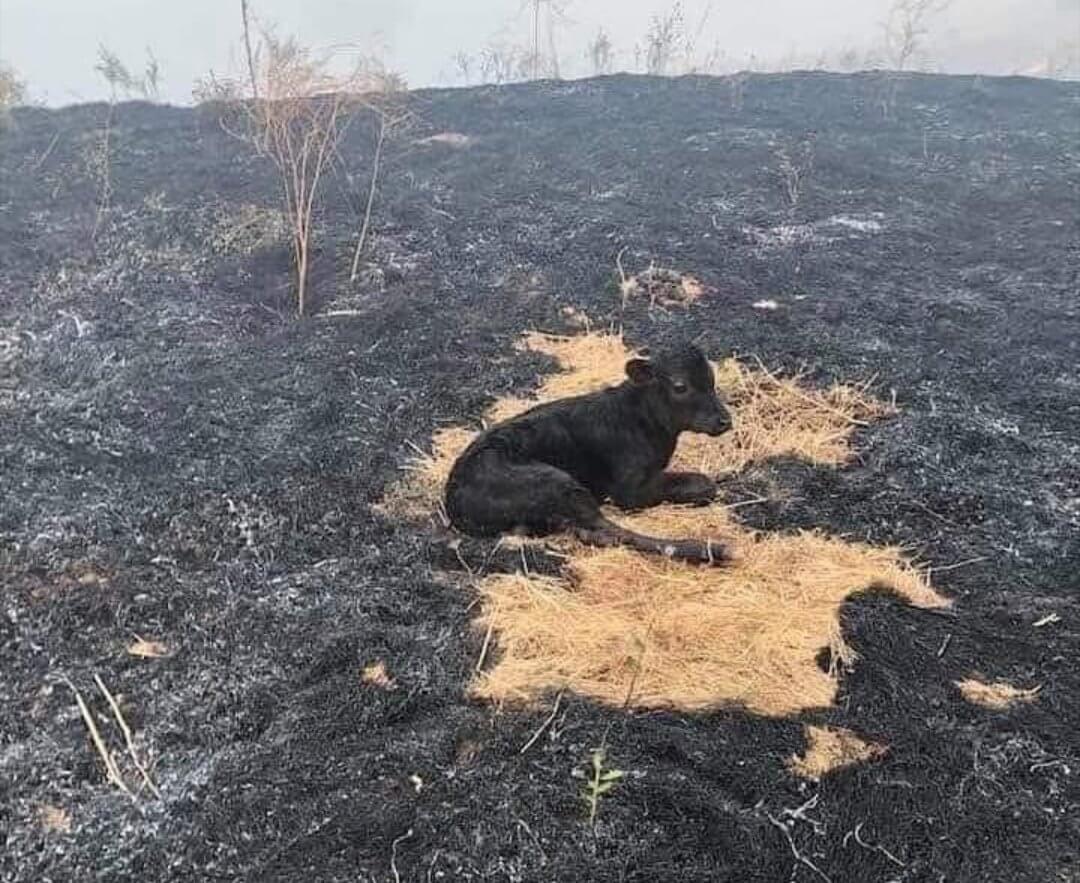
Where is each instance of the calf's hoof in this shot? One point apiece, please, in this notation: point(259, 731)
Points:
point(694, 552)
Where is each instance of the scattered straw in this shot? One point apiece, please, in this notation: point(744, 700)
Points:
point(997, 696)
point(375, 673)
point(661, 285)
point(576, 317)
point(55, 818)
point(773, 416)
point(777, 417)
point(831, 748)
point(86, 573)
point(147, 649)
point(418, 494)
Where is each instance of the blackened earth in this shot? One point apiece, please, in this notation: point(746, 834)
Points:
point(182, 460)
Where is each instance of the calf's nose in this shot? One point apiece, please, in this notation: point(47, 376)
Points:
point(721, 423)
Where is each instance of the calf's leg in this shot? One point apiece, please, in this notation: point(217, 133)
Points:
point(688, 487)
point(663, 487)
point(604, 532)
point(492, 495)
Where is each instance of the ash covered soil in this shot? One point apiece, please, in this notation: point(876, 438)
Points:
point(182, 460)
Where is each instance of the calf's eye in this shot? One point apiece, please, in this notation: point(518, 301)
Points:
point(679, 387)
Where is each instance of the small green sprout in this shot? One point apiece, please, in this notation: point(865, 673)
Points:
point(601, 781)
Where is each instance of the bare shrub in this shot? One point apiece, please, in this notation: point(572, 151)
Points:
point(298, 122)
point(906, 27)
point(301, 112)
point(12, 89)
point(123, 82)
point(245, 17)
point(1061, 62)
point(712, 59)
point(601, 54)
point(501, 64)
point(712, 62)
point(463, 62)
point(544, 60)
point(794, 163)
point(847, 59)
point(737, 89)
point(664, 41)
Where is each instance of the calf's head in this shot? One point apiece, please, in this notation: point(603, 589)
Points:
point(680, 385)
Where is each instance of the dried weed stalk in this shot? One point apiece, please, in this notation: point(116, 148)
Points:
point(112, 769)
point(906, 27)
point(665, 41)
point(12, 89)
point(123, 83)
point(393, 119)
point(794, 164)
point(298, 110)
point(601, 54)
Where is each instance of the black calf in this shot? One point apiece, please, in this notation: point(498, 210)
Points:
point(549, 469)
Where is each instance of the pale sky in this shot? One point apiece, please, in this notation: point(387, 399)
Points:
point(53, 44)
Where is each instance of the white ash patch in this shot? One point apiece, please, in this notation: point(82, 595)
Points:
point(871, 223)
point(782, 235)
point(10, 347)
point(824, 232)
point(617, 192)
point(457, 140)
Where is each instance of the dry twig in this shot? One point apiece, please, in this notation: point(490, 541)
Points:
point(111, 769)
point(128, 740)
point(544, 725)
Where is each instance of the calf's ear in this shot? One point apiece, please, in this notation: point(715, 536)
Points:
point(640, 371)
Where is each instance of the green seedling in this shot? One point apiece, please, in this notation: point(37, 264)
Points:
point(601, 781)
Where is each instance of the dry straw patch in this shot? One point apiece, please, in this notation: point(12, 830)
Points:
point(665, 633)
point(148, 649)
point(375, 673)
point(676, 635)
point(997, 696)
point(55, 819)
point(831, 748)
point(778, 416)
point(661, 285)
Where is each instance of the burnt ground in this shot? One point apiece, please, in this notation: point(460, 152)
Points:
point(181, 459)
